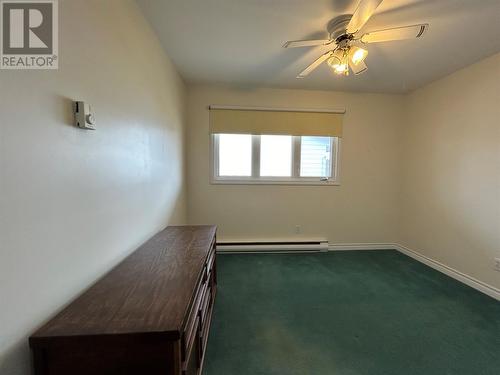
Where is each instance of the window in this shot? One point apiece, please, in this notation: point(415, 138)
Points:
point(275, 156)
point(315, 156)
point(235, 155)
point(274, 159)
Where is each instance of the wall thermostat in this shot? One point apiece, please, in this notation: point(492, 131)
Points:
point(84, 118)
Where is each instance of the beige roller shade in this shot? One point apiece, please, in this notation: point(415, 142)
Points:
point(276, 122)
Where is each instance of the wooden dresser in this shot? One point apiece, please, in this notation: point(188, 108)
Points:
point(149, 315)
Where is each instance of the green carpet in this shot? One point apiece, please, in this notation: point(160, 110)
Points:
point(348, 313)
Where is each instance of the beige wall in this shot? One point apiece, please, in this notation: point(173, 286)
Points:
point(362, 209)
point(450, 206)
point(74, 202)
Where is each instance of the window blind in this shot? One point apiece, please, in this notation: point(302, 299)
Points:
point(275, 122)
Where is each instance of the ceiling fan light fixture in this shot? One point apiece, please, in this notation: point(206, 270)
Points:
point(339, 62)
point(338, 66)
point(357, 55)
point(333, 61)
point(341, 69)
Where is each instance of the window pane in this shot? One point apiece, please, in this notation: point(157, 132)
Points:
point(276, 155)
point(315, 157)
point(235, 155)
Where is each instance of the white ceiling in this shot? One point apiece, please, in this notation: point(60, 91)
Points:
point(238, 42)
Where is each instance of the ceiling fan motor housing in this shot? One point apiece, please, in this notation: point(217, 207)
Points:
point(337, 27)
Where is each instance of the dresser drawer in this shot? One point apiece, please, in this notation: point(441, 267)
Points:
point(211, 262)
point(206, 316)
point(205, 305)
point(191, 327)
point(193, 352)
point(202, 302)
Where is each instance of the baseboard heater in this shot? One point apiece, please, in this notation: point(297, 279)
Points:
point(306, 246)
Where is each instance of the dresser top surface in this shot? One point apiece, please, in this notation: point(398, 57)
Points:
point(150, 291)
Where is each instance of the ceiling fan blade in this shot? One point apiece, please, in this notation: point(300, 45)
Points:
point(358, 68)
point(397, 33)
point(315, 64)
point(307, 43)
point(362, 14)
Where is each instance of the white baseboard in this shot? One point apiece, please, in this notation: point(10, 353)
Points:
point(273, 246)
point(361, 246)
point(457, 275)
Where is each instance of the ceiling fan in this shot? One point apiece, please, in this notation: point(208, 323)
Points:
point(343, 31)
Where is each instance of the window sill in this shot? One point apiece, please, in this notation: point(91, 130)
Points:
point(242, 181)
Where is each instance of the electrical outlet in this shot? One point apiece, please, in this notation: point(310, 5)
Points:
point(497, 264)
point(297, 229)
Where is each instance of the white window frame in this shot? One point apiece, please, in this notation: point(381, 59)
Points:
point(255, 179)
